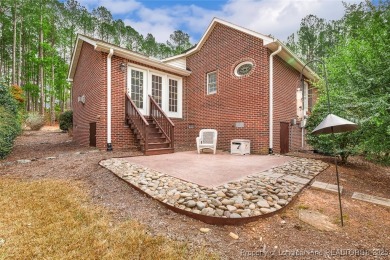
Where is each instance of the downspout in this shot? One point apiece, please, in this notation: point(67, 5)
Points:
point(271, 98)
point(109, 145)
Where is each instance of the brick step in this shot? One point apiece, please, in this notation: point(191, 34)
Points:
point(159, 151)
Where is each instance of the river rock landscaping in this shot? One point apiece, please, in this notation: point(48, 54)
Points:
point(257, 194)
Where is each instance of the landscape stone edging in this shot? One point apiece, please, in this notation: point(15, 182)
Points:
point(254, 196)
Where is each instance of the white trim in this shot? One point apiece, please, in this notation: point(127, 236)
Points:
point(130, 68)
point(288, 56)
point(165, 90)
point(214, 22)
point(239, 65)
point(271, 43)
point(120, 52)
point(163, 80)
point(179, 113)
point(216, 83)
point(109, 97)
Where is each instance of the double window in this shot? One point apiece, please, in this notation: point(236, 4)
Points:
point(211, 83)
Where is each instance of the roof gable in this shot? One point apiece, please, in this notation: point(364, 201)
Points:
point(271, 43)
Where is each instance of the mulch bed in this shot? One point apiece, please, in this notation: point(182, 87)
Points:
point(367, 226)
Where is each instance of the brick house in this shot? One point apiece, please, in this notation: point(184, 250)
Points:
point(243, 84)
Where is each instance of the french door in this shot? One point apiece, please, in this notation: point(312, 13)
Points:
point(137, 88)
point(164, 88)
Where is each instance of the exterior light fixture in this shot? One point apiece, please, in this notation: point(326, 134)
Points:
point(330, 125)
point(122, 67)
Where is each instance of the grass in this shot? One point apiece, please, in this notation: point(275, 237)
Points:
point(301, 206)
point(55, 220)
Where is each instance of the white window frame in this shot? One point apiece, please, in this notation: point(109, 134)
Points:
point(179, 112)
point(144, 108)
point(216, 83)
point(239, 65)
point(165, 90)
point(163, 82)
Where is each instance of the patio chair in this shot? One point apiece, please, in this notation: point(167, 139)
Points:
point(207, 139)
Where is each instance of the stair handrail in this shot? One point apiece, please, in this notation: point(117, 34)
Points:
point(140, 123)
point(165, 124)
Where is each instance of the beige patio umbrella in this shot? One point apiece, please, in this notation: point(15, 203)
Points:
point(334, 124)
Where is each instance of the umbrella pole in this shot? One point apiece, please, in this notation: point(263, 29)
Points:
point(338, 185)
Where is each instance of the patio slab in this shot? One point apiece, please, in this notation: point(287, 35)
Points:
point(244, 198)
point(209, 170)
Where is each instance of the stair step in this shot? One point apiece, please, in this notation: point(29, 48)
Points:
point(159, 151)
point(154, 130)
point(158, 145)
point(157, 139)
point(155, 135)
point(157, 142)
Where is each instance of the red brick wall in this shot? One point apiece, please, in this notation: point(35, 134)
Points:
point(89, 81)
point(286, 82)
point(242, 99)
point(237, 99)
point(122, 137)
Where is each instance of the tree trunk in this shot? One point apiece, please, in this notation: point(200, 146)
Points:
point(14, 18)
point(52, 92)
point(20, 54)
point(40, 79)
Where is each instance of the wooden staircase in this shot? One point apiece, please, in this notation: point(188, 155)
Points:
point(155, 133)
point(157, 142)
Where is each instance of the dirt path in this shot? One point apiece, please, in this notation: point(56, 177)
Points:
point(367, 226)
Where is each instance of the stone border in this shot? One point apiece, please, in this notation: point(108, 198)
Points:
point(237, 202)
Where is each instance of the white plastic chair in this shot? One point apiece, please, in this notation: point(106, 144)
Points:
point(207, 139)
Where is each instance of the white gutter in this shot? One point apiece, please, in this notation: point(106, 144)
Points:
point(109, 145)
point(271, 98)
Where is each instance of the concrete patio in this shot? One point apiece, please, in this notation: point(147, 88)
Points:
point(207, 169)
point(218, 189)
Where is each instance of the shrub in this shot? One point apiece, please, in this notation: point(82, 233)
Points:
point(18, 94)
point(7, 100)
point(9, 129)
point(35, 121)
point(66, 120)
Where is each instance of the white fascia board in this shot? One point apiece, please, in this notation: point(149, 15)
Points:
point(214, 22)
point(266, 39)
point(183, 55)
point(142, 59)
